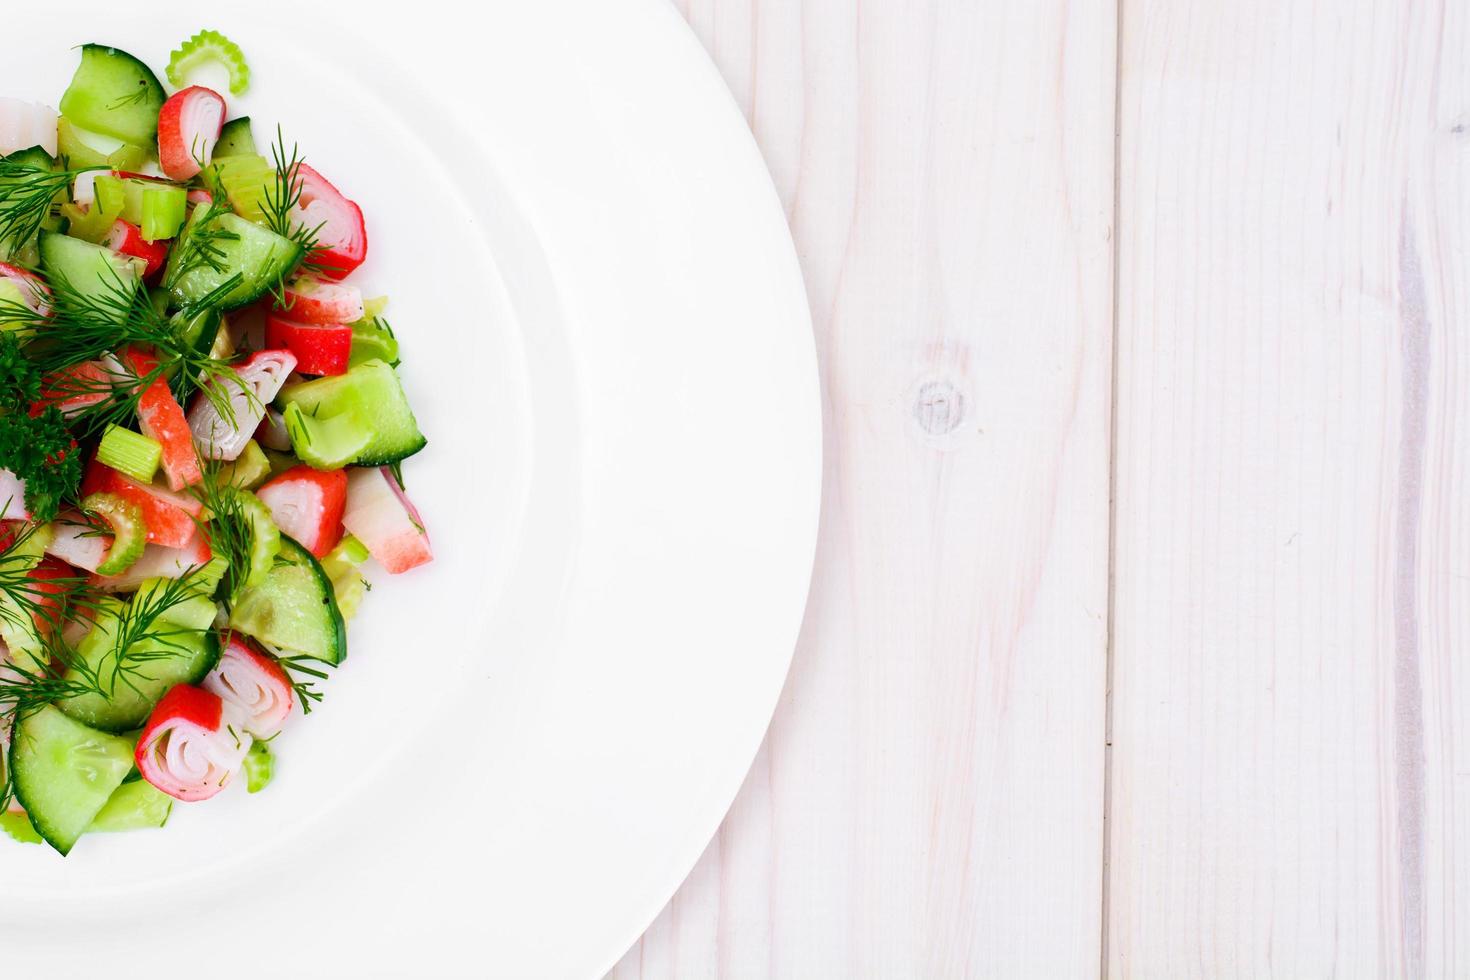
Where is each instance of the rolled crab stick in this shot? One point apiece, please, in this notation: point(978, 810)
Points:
point(34, 294)
point(256, 382)
point(254, 683)
point(342, 241)
point(193, 744)
point(188, 128)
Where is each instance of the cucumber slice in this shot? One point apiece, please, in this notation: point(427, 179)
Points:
point(65, 772)
point(32, 156)
point(235, 139)
point(94, 271)
point(135, 805)
point(115, 94)
point(373, 391)
point(258, 255)
point(181, 651)
point(294, 608)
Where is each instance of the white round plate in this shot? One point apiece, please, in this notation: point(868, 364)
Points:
point(606, 339)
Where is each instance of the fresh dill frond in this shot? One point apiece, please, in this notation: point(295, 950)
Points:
point(281, 200)
point(228, 527)
point(199, 247)
point(306, 692)
point(27, 197)
point(90, 326)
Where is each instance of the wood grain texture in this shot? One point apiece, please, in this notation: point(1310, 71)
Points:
point(929, 800)
point(1291, 710)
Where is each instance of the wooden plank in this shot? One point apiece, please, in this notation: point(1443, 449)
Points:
point(1291, 712)
point(929, 801)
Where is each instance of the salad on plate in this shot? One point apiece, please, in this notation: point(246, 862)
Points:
point(202, 432)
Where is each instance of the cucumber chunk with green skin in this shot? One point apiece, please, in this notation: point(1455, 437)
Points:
point(115, 94)
point(33, 156)
point(135, 805)
point(373, 391)
point(91, 270)
point(235, 139)
point(258, 255)
point(181, 650)
point(294, 608)
point(65, 772)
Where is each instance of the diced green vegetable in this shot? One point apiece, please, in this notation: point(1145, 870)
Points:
point(341, 565)
point(207, 46)
point(178, 648)
point(258, 255)
point(134, 805)
point(374, 391)
point(259, 767)
point(330, 443)
point(248, 471)
point(246, 178)
point(19, 828)
point(235, 139)
point(265, 537)
point(372, 340)
point(130, 452)
point(77, 147)
point(95, 223)
point(164, 208)
point(91, 270)
point(129, 533)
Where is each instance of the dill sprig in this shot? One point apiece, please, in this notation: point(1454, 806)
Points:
point(282, 198)
point(226, 524)
point(87, 327)
point(306, 692)
point(199, 247)
point(27, 197)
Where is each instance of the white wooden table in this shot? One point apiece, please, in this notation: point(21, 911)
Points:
point(1160, 443)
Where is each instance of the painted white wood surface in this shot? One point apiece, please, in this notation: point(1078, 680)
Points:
point(1291, 686)
point(929, 800)
point(1289, 780)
